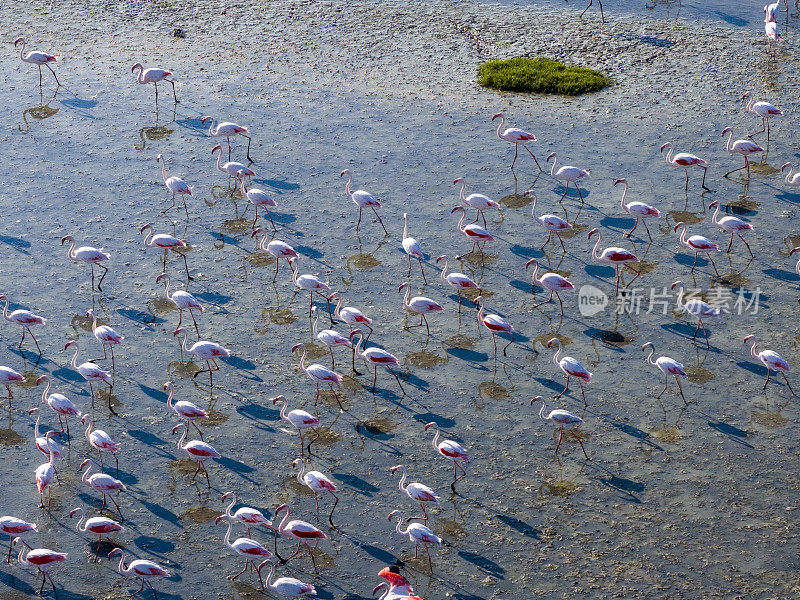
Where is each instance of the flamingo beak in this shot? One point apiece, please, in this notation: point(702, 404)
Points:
point(533, 260)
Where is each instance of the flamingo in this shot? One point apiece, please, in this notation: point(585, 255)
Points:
point(697, 244)
point(550, 281)
point(732, 225)
point(42, 559)
point(567, 174)
point(100, 440)
point(452, 451)
point(419, 534)
point(418, 492)
point(289, 586)
point(792, 178)
point(258, 197)
point(684, 160)
point(419, 305)
point(476, 201)
point(24, 318)
point(143, 569)
point(233, 169)
point(45, 472)
point(772, 360)
point(301, 531)
point(185, 410)
point(614, 255)
point(459, 281)
point(697, 308)
point(318, 374)
point(495, 324)
point(329, 337)
point(41, 442)
point(245, 514)
point(227, 130)
point(204, 350)
point(562, 418)
point(516, 136)
point(311, 283)
point(640, 210)
point(165, 242)
point(376, 356)
point(37, 58)
point(246, 547)
point(362, 199)
point(771, 31)
point(317, 482)
point(351, 315)
point(89, 255)
point(552, 223)
point(196, 450)
point(395, 580)
point(277, 249)
point(797, 266)
point(412, 249)
point(571, 368)
point(743, 147)
point(105, 484)
point(154, 76)
point(176, 185)
point(668, 366)
point(7, 377)
point(12, 526)
point(474, 232)
point(106, 336)
point(183, 300)
point(101, 526)
point(90, 372)
point(300, 420)
point(602, 16)
point(391, 592)
point(765, 110)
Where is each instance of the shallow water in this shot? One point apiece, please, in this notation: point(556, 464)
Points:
point(666, 483)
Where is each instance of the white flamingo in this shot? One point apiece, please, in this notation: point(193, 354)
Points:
point(640, 210)
point(516, 136)
point(90, 372)
point(362, 199)
point(419, 305)
point(732, 225)
point(183, 300)
point(452, 451)
point(318, 483)
point(562, 418)
point(567, 174)
point(176, 185)
point(743, 147)
point(154, 76)
point(697, 308)
point(23, 318)
point(277, 249)
point(553, 282)
point(204, 350)
point(552, 223)
point(300, 420)
point(143, 569)
point(571, 368)
point(89, 255)
point(412, 249)
point(477, 201)
point(419, 534)
point(771, 360)
point(456, 280)
point(684, 160)
point(329, 337)
point(38, 58)
point(228, 129)
point(668, 366)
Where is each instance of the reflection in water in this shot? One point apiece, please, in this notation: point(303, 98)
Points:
point(185, 369)
point(41, 112)
point(670, 434)
point(155, 132)
point(558, 486)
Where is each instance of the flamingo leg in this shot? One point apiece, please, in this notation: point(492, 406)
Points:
point(409, 265)
point(787, 383)
point(665, 387)
point(616, 289)
point(380, 220)
point(745, 243)
point(580, 383)
point(582, 448)
point(186, 266)
point(767, 381)
point(579, 191)
point(174, 95)
point(34, 340)
point(421, 270)
point(566, 189)
point(647, 229)
point(398, 380)
point(10, 545)
point(333, 362)
point(313, 560)
point(627, 235)
point(566, 388)
point(97, 554)
point(428, 552)
point(516, 150)
point(680, 389)
point(358, 224)
point(374, 379)
point(330, 516)
point(563, 247)
point(316, 437)
point(550, 299)
point(246, 565)
point(560, 437)
point(105, 272)
point(119, 510)
point(705, 171)
point(534, 158)
point(270, 220)
point(712, 264)
point(730, 245)
point(40, 85)
point(41, 589)
point(547, 241)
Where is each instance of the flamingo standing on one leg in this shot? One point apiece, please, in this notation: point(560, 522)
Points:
point(458, 281)
point(412, 249)
point(571, 368)
point(7, 377)
point(640, 210)
point(732, 225)
point(419, 534)
point(13, 527)
point(452, 451)
point(228, 130)
point(615, 256)
point(474, 232)
point(154, 76)
point(258, 197)
point(317, 482)
point(552, 223)
point(165, 241)
point(668, 366)
point(183, 300)
point(362, 199)
point(319, 374)
point(684, 160)
point(329, 337)
point(105, 484)
point(24, 318)
point(277, 249)
point(247, 547)
point(516, 136)
point(42, 559)
point(552, 282)
point(419, 305)
point(106, 336)
point(697, 308)
point(562, 418)
point(743, 147)
point(477, 201)
point(765, 110)
point(35, 57)
point(90, 372)
point(204, 350)
point(143, 569)
point(197, 450)
point(300, 420)
point(100, 440)
point(495, 324)
point(100, 526)
point(771, 360)
point(567, 175)
point(89, 255)
point(418, 492)
point(311, 283)
point(301, 531)
point(698, 244)
point(376, 356)
point(176, 185)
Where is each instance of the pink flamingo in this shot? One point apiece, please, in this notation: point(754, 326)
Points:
point(185, 410)
point(376, 356)
point(732, 225)
point(318, 483)
point(143, 569)
point(495, 324)
point(289, 586)
point(362, 199)
point(37, 58)
point(105, 484)
point(571, 368)
point(204, 350)
point(697, 308)
point(247, 547)
point(106, 336)
point(277, 249)
point(13, 527)
point(797, 265)
point(697, 244)
point(183, 300)
point(42, 559)
point(176, 185)
point(772, 360)
point(640, 210)
point(516, 136)
point(228, 130)
point(419, 534)
point(300, 420)
point(552, 282)
point(452, 451)
point(743, 147)
point(301, 531)
point(552, 223)
point(100, 526)
point(100, 440)
point(567, 175)
point(477, 201)
point(329, 337)
point(393, 577)
point(245, 514)
point(7, 377)
point(24, 318)
point(318, 374)
point(90, 372)
point(351, 315)
point(258, 197)
point(165, 242)
point(44, 474)
point(412, 249)
point(419, 305)
point(418, 492)
point(154, 76)
point(42, 444)
point(792, 178)
point(311, 283)
point(233, 169)
point(765, 110)
point(614, 255)
point(668, 366)
point(457, 280)
point(562, 418)
point(474, 232)
point(197, 450)
point(684, 160)
point(89, 255)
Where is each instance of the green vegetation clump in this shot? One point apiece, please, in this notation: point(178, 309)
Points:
point(540, 75)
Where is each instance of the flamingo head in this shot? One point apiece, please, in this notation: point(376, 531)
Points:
point(215, 148)
point(115, 552)
point(676, 284)
point(591, 233)
point(66, 238)
point(204, 119)
point(392, 514)
point(177, 331)
point(19, 41)
point(530, 262)
point(459, 180)
point(277, 399)
point(68, 344)
point(41, 379)
point(714, 203)
point(552, 341)
point(551, 155)
point(678, 225)
point(160, 277)
point(89, 313)
point(85, 418)
point(793, 250)
point(281, 507)
point(86, 461)
point(74, 511)
point(620, 180)
point(745, 95)
point(345, 172)
point(148, 225)
point(395, 468)
point(392, 575)
point(178, 426)
point(536, 399)
point(296, 346)
point(256, 231)
point(429, 425)
point(402, 286)
point(442, 257)
point(497, 116)
point(137, 66)
point(356, 332)
point(748, 338)
point(529, 193)
point(33, 410)
point(221, 517)
point(648, 345)
point(478, 300)
point(457, 208)
point(786, 165)
point(665, 145)
point(726, 130)
point(167, 385)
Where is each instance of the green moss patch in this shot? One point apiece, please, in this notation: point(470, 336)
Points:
point(540, 75)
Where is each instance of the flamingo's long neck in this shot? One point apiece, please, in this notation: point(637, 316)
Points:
point(336, 310)
point(728, 146)
point(22, 560)
point(386, 590)
point(753, 349)
point(789, 176)
point(169, 397)
point(219, 160)
point(405, 299)
point(183, 342)
point(89, 431)
point(405, 225)
point(358, 346)
point(148, 236)
point(553, 168)
point(436, 439)
point(164, 169)
point(347, 186)
point(402, 480)
point(303, 360)
point(85, 476)
point(263, 243)
point(271, 574)
point(461, 220)
point(228, 534)
point(52, 460)
point(46, 391)
point(22, 57)
point(533, 210)
point(244, 189)
point(464, 185)
point(714, 217)
point(480, 312)
point(300, 472)
point(282, 527)
point(397, 528)
point(596, 244)
point(229, 510)
point(36, 427)
point(283, 411)
point(679, 300)
point(211, 129)
point(314, 325)
point(541, 410)
point(444, 270)
point(83, 516)
point(94, 323)
point(650, 356)
point(75, 357)
point(121, 567)
point(750, 104)
point(167, 283)
point(624, 194)
point(683, 236)
point(183, 437)
point(555, 356)
point(71, 252)
point(5, 309)
point(140, 75)
point(500, 126)
point(536, 270)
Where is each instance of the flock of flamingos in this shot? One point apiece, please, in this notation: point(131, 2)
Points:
point(355, 337)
